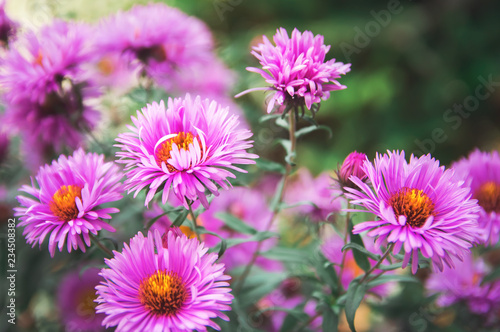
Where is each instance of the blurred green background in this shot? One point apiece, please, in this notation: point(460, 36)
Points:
point(417, 79)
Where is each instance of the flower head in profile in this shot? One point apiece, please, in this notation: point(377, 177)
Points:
point(151, 288)
point(296, 69)
point(465, 284)
point(481, 171)
point(66, 201)
point(187, 147)
point(47, 90)
point(352, 165)
point(75, 299)
point(421, 207)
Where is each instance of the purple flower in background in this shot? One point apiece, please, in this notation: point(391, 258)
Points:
point(421, 206)
point(150, 288)
point(296, 69)
point(66, 201)
point(75, 299)
point(481, 172)
point(8, 28)
point(314, 195)
point(46, 87)
point(174, 49)
point(187, 147)
point(464, 284)
point(250, 206)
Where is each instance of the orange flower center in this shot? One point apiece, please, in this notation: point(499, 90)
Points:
point(106, 66)
point(488, 196)
point(351, 266)
point(86, 304)
point(163, 293)
point(182, 140)
point(63, 204)
point(414, 204)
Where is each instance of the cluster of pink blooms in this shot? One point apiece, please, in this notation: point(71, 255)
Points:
point(183, 153)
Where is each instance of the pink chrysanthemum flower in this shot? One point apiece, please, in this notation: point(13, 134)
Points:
point(420, 206)
point(151, 288)
point(297, 70)
point(47, 89)
point(464, 284)
point(66, 201)
point(481, 172)
point(187, 147)
point(75, 299)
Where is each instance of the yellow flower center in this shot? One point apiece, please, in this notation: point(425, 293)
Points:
point(414, 204)
point(63, 204)
point(106, 66)
point(182, 140)
point(163, 293)
point(488, 196)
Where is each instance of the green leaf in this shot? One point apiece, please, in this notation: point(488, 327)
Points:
point(277, 195)
point(270, 166)
point(326, 272)
point(180, 219)
point(330, 319)
point(235, 223)
point(259, 284)
point(361, 249)
point(354, 296)
point(268, 117)
point(390, 278)
point(291, 255)
point(389, 267)
point(260, 236)
point(155, 219)
point(292, 320)
point(360, 258)
point(310, 129)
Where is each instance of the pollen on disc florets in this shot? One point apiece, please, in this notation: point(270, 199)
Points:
point(63, 204)
point(488, 196)
point(414, 204)
point(182, 140)
point(163, 293)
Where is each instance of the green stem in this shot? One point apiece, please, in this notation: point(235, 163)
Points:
point(100, 245)
point(374, 267)
point(193, 216)
point(344, 254)
point(276, 209)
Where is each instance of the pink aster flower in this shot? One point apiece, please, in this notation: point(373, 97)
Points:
point(250, 206)
point(187, 147)
point(47, 89)
point(463, 284)
point(296, 69)
point(314, 196)
point(420, 206)
point(150, 288)
point(75, 299)
point(481, 172)
point(66, 201)
point(165, 43)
